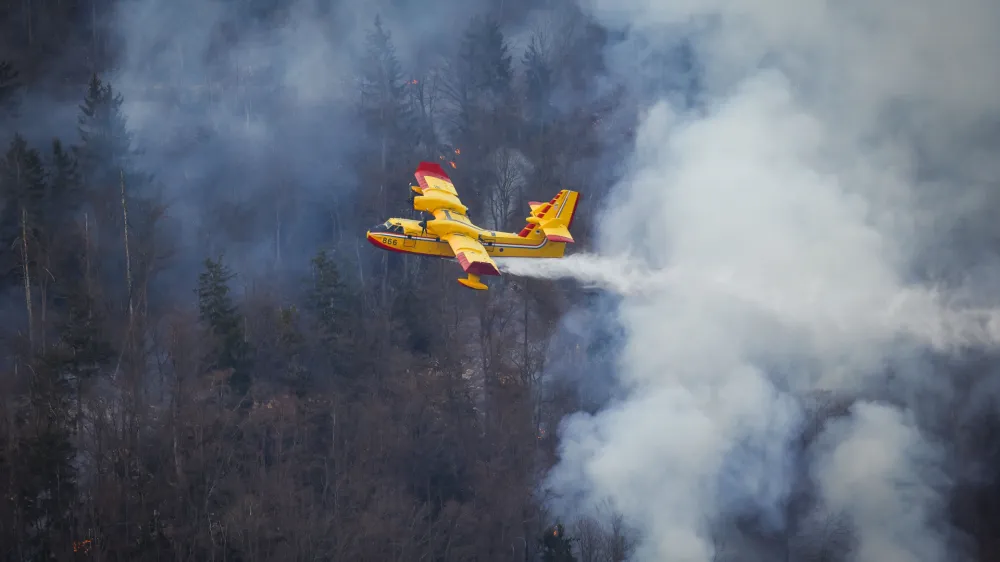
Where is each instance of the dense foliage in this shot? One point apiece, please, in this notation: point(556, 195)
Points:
point(201, 357)
point(353, 405)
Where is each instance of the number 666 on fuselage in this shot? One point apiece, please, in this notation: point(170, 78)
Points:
point(450, 234)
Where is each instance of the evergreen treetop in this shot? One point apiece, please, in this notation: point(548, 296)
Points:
point(485, 59)
point(10, 90)
point(382, 86)
point(331, 302)
point(103, 127)
point(22, 190)
point(22, 176)
point(537, 82)
point(224, 323)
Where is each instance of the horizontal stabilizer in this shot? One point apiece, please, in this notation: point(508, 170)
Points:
point(554, 218)
point(557, 233)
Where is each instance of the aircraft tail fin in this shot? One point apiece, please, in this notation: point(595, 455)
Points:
point(553, 218)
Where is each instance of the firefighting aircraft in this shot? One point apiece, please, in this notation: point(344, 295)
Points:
point(450, 234)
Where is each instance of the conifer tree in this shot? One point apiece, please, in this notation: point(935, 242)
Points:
point(333, 306)
point(106, 158)
point(10, 90)
point(22, 187)
point(292, 349)
point(382, 85)
point(116, 189)
point(412, 312)
point(22, 182)
point(538, 85)
point(385, 105)
point(105, 139)
point(64, 184)
point(484, 118)
point(224, 324)
point(485, 63)
point(387, 114)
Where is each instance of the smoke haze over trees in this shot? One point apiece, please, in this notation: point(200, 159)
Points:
point(204, 359)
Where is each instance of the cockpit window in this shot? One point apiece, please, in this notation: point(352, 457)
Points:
point(388, 226)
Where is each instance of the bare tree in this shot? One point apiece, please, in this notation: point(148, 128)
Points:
point(620, 540)
point(508, 168)
point(590, 540)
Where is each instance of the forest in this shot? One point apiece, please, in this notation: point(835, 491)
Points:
point(203, 359)
point(212, 384)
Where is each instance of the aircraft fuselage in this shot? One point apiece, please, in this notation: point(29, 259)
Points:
point(408, 236)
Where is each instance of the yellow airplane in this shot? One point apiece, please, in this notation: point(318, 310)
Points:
point(450, 234)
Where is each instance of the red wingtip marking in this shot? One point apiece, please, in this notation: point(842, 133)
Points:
point(431, 169)
point(533, 203)
point(560, 239)
point(477, 267)
point(480, 268)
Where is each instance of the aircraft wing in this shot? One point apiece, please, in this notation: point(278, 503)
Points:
point(431, 176)
point(471, 255)
point(437, 191)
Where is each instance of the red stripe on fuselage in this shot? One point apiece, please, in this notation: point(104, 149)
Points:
point(379, 244)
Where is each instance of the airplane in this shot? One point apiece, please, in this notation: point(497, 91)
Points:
point(451, 235)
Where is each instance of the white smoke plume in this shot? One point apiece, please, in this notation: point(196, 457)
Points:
point(778, 227)
point(618, 274)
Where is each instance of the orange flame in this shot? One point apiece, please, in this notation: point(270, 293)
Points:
point(81, 545)
point(414, 81)
point(458, 151)
point(453, 165)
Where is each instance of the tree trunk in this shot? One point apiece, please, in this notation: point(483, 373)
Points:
point(277, 237)
point(128, 259)
point(27, 276)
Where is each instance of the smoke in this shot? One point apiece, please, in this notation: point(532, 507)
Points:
point(617, 274)
point(788, 228)
point(877, 468)
point(246, 115)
